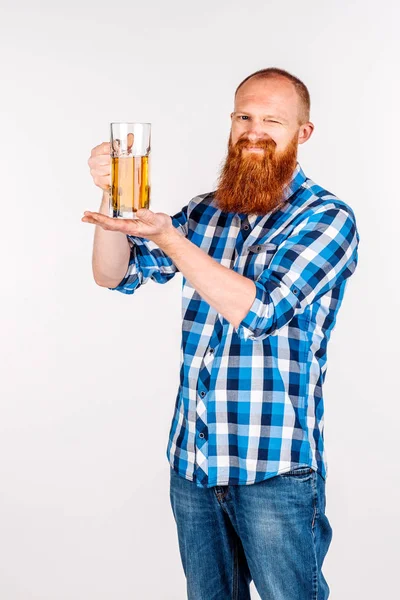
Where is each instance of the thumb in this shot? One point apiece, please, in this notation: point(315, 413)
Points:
point(145, 215)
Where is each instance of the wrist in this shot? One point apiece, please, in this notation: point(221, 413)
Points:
point(168, 240)
point(105, 204)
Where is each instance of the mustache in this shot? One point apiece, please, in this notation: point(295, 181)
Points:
point(244, 143)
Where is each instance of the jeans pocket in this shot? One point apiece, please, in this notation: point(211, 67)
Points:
point(298, 472)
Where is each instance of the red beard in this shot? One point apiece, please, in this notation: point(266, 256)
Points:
point(253, 182)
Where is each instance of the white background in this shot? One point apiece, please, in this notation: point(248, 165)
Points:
point(89, 376)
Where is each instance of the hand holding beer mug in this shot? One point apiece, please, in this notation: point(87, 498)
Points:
point(121, 168)
point(130, 168)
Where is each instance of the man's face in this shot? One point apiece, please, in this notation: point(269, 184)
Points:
point(262, 148)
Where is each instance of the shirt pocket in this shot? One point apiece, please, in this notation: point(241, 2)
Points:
point(256, 258)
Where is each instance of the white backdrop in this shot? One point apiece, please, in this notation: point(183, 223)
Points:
point(89, 376)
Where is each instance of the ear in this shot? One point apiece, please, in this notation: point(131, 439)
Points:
point(305, 132)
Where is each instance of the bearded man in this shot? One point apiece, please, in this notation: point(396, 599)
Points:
point(265, 260)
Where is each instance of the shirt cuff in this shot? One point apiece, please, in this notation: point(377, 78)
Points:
point(247, 328)
point(274, 304)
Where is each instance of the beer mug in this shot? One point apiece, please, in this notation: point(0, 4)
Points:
point(130, 168)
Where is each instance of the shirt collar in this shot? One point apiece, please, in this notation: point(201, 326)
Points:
point(297, 180)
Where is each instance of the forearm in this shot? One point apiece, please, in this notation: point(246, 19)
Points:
point(228, 292)
point(111, 252)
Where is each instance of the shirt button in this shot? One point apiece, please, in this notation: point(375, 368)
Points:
point(246, 227)
point(202, 394)
point(201, 435)
point(211, 350)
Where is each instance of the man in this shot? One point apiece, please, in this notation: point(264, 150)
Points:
point(265, 260)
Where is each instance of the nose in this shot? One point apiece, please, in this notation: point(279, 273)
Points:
point(255, 135)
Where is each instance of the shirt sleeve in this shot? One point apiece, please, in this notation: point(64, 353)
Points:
point(148, 261)
point(320, 253)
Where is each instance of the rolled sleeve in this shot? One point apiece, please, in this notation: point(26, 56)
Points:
point(319, 254)
point(134, 275)
point(147, 261)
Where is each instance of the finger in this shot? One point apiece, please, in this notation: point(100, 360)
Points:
point(104, 222)
point(128, 226)
point(100, 173)
point(130, 139)
point(116, 146)
point(102, 182)
point(103, 148)
point(102, 160)
point(99, 218)
point(88, 220)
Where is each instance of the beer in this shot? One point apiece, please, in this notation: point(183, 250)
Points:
point(130, 145)
point(130, 189)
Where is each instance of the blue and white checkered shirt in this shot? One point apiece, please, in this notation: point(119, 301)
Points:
point(249, 404)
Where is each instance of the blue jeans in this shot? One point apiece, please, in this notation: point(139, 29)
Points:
point(274, 532)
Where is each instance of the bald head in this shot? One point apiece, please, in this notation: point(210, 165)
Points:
point(300, 87)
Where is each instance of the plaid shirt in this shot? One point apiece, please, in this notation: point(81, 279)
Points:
point(249, 404)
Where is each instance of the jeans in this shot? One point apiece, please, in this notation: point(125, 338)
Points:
point(274, 532)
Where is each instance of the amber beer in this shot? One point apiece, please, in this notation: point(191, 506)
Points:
point(130, 189)
point(130, 169)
